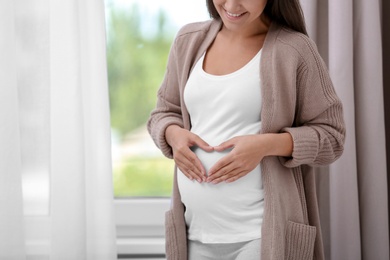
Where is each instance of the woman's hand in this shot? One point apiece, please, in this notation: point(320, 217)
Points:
point(247, 153)
point(181, 140)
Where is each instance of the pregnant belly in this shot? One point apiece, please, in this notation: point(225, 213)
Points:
point(208, 159)
point(207, 198)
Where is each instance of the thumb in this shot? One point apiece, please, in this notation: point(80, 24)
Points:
point(225, 145)
point(202, 144)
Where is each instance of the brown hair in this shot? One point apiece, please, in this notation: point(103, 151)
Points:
point(287, 13)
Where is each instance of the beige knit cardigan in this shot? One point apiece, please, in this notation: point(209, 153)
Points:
point(297, 97)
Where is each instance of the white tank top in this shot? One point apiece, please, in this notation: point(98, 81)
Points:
point(222, 107)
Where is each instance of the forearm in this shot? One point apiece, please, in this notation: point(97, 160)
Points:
point(170, 133)
point(157, 125)
point(279, 144)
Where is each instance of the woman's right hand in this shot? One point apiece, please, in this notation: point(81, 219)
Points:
point(181, 140)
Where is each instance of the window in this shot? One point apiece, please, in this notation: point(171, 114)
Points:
point(139, 36)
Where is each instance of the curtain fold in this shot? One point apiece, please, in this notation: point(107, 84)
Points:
point(67, 142)
point(370, 129)
point(56, 197)
point(11, 210)
point(353, 195)
point(78, 42)
point(386, 81)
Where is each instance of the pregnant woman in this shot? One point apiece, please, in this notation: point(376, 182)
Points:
point(246, 110)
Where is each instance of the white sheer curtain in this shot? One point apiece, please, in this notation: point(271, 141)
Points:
point(56, 199)
point(353, 195)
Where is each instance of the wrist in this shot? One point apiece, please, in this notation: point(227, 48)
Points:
point(170, 133)
point(280, 144)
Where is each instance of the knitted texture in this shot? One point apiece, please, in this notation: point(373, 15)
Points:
point(299, 241)
point(298, 97)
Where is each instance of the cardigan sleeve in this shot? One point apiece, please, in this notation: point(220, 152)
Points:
point(168, 109)
point(319, 130)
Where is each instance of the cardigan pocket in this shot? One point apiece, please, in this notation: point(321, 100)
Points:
point(300, 239)
point(171, 248)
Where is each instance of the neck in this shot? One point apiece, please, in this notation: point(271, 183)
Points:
point(258, 30)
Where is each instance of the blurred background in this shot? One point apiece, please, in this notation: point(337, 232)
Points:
point(139, 35)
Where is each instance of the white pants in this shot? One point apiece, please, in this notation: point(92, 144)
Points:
point(248, 250)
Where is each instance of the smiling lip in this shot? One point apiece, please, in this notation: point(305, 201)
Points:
point(232, 15)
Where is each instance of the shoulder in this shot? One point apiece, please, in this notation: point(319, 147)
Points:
point(197, 27)
point(295, 43)
point(198, 30)
point(191, 37)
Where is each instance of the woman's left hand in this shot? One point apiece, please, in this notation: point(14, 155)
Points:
point(247, 153)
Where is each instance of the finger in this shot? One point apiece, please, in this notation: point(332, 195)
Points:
point(234, 174)
point(227, 170)
point(202, 144)
point(200, 170)
point(187, 171)
point(223, 162)
point(191, 164)
point(191, 172)
point(194, 176)
point(236, 177)
point(194, 161)
point(225, 145)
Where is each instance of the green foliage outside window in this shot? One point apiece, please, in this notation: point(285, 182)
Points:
point(144, 177)
point(136, 65)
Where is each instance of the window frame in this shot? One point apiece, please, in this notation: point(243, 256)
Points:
point(140, 226)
